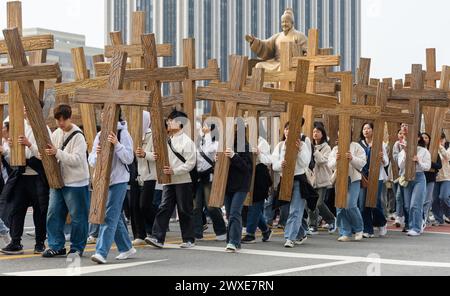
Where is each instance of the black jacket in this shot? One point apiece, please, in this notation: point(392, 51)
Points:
point(240, 172)
point(436, 166)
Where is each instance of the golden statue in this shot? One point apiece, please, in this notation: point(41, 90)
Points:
point(269, 50)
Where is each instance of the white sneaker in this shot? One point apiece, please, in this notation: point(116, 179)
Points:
point(301, 241)
point(97, 258)
point(413, 233)
point(139, 242)
point(366, 235)
point(187, 245)
point(383, 231)
point(231, 248)
point(344, 239)
point(289, 244)
point(127, 255)
point(91, 240)
point(6, 238)
point(359, 236)
point(221, 238)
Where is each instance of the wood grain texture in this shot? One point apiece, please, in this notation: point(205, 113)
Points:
point(102, 171)
point(295, 129)
point(36, 72)
point(163, 50)
point(344, 145)
point(87, 110)
point(17, 127)
point(221, 94)
point(238, 75)
point(119, 97)
point(189, 84)
point(158, 126)
point(34, 110)
point(32, 43)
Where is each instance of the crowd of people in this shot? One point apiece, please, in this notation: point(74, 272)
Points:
point(136, 198)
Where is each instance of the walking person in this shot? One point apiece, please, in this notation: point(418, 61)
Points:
point(182, 159)
point(114, 228)
point(206, 152)
point(441, 202)
point(143, 209)
point(27, 185)
point(69, 147)
point(298, 202)
point(415, 192)
point(431, 177)
point(349, 219)
point(372, 217)
point(323, 176)
point(262, 184)
point(399, 146)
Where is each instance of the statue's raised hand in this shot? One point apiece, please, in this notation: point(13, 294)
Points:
point(249, 38)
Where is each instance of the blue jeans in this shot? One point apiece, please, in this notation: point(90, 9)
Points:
point(302, 232)
point(372, 217)
point(399, 205)
point(269, 212)
point(75, 202)
point(414, 198)
point(349, 220)
point(114, 229)
point(233, 204)
point(428, 200)
point(296, 211)
point(441, 202)
point(3, 229)
point(255, 218)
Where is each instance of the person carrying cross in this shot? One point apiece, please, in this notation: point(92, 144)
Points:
point(69, 146)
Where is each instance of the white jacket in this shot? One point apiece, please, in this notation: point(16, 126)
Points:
point(322, 172)
point(303, 158)
point(210, 149)
point(33, 151)
point(424, 163)
point(444, 173)
point(264, 156)
point(147, 165)
point(123, 155)
point(72, 161)
point(183, 145)
point(355, 166)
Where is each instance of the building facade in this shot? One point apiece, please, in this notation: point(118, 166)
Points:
point(219, 26)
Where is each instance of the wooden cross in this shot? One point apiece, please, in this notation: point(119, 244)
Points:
point(297, 100)
point(113, 97)
point(431, 78)
point(379, 114)
point(416, 97)
point(32, 43)
point(153, 76)
point(24, 74)
point(232, 95)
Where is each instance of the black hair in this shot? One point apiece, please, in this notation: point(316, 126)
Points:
point(180, 116)
point(62, 111)
point(361, 134)
point(429, 137)
point(321, 128)
point(6, 124)
point(286, 125)
point(443, 136)
point(421, 142)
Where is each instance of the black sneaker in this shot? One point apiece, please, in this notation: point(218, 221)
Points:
point(266, 236)
point(248, 239)
point(13, 249)
point(72, 251)
point(39, 249)
point(50, 253)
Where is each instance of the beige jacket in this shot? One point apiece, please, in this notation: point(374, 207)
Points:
point(444, 173)
point(322, 172)
point(355, 166)
point(147, 165)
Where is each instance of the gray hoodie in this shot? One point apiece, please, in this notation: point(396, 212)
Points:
point(123, 155)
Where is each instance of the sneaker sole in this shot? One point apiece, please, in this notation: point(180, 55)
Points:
point(97, 261)
point(12, 253)
point(149, 242)
point(249, 243)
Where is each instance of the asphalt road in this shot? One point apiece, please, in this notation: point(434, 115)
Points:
point(321, 255)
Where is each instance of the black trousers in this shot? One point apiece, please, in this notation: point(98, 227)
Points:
point(179, 195)
point(29, 190)
point(143, 211)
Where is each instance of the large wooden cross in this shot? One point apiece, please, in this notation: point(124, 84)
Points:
point(232, 95)
point(297, 100)
point(379, 114)
point(31, 43)
point(24, 74)
point(113, 97)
